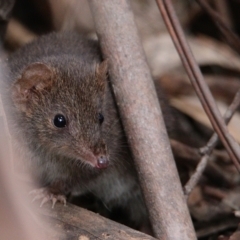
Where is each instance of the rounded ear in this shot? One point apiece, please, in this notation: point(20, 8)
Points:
point(35, 79)
point(101, 74)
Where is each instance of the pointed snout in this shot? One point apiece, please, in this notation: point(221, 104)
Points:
point(102, 161)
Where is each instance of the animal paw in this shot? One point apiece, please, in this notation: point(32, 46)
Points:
point(46, 196)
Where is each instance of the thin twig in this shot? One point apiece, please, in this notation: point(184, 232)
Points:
point(216, 192)
point(227, 117)
point(207, 150)
point(191, 157)
point(223, 9)
point(197, 80)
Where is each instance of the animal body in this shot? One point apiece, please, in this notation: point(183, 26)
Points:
point(64, 115)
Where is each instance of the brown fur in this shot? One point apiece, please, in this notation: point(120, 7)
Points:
point(64, 73)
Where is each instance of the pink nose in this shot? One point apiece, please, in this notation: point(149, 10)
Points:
point(102, 161)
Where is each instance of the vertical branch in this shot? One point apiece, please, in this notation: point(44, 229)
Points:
point(16, 220)
point(142, 119)
point(15, 217)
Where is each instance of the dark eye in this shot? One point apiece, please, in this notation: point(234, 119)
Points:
point(60, 121)
point(100, 118)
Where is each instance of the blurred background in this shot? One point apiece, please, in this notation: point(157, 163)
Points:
point(215, 201)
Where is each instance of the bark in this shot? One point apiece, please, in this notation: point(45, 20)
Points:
point(72, 222)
